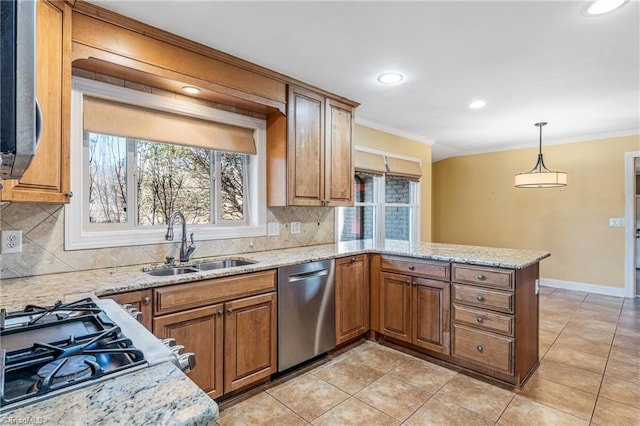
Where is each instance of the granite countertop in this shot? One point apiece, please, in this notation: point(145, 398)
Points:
point(159, 395)
point(46, 289)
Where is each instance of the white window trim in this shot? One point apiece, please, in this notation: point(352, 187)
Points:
point(379, 203)
point(78, 237)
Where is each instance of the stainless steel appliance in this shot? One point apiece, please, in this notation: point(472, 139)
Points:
point(21, 119)
point(50, 350)
point(306, 312)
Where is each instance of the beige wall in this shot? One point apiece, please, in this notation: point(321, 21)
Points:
point(475, 202)
point(376, 139)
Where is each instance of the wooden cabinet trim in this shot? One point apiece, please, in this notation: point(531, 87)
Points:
point(180, 297)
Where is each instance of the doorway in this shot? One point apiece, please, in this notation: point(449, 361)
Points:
point(632, 224)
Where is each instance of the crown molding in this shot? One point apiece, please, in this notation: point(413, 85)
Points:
point(402, 133)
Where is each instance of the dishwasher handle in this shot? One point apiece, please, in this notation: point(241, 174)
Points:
point(307, 275)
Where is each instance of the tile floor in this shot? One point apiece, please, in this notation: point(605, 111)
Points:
point(589, 374)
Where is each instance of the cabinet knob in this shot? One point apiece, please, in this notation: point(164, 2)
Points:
point(69, 194)
point(229, 311)
point(479, 319)
point(414, 283)
point(479, 348)
point(407, 282)
point(146, 300)
point(479, 298)
point(480, 277)
point(411, 267)
point(220, 312)
point(353, 259)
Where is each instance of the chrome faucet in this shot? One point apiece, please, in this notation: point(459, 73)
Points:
point(185, 250)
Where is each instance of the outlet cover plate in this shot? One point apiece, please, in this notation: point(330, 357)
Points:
point(617, 222)
point(295, 227)
point(11, 241)
point(273, 228)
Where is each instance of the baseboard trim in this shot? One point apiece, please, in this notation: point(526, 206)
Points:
point(588, 288)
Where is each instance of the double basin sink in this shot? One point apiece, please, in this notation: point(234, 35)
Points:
point(198, 267)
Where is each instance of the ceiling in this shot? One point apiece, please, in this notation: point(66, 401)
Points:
point(529, 60)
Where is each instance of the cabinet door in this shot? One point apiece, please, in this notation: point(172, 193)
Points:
point(200, 331)
point(338, 154)
point(395, 306)
point(47, 179)
point(250, 340)
point(352, 297)
point(432, 318)
point(141, 300)
point(305, 147)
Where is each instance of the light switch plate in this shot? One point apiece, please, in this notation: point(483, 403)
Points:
point(11, 241)
point(273, 228)
point(617, 222)
point(295, 227)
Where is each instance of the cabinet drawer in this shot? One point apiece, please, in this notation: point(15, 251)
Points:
point(478, 296)
point(487, 349)
point(207, 292)
point(481, 318)
point(487, 277)
point(437, 270)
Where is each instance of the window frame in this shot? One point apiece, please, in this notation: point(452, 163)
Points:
point(80, 236)
point(379, 205)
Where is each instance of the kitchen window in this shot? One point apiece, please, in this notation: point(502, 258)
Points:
point(386, 203)
point(138, 157)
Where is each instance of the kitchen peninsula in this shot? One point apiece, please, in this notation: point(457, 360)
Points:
point(501, 273)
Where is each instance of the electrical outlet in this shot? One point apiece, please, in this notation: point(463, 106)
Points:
point(295, 227)
point(273, 228)
point(617, 222)
point(11, 241)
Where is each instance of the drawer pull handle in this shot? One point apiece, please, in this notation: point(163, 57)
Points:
point(411, 267)
point(479, 348)
point(220, 312)
point(480, 277)
point(229, 311)
point(408, 282)
point(479, 298)
point(479, 319)
point(146, 300)
point(353, 259)
point(414, 283)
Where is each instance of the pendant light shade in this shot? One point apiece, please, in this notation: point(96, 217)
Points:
point(540, 176)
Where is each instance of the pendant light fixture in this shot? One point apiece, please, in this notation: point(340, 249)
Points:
point(540, 176)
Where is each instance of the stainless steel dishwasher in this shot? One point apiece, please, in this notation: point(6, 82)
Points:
point(306, 312)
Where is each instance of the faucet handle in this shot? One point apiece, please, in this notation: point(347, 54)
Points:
point(191, 237)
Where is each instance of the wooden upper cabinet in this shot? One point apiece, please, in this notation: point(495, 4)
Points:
point(319, 150)
point(305, 147)
point(338, 153)
point(47, 178)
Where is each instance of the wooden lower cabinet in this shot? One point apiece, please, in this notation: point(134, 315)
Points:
point(352, 297)
point(141, 300)
point(415, 310)
point(234, 342)
point(200, 331)
point(249, 340)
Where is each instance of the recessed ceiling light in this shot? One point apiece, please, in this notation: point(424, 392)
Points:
point(390, 78)
point(191, 90)
point(477, 104)
point(600, 7)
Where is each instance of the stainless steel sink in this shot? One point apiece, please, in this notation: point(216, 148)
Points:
point(198, 267)
point(171, 271)
point(221, 264)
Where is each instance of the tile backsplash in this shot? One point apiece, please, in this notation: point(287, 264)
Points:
point(43, 251)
